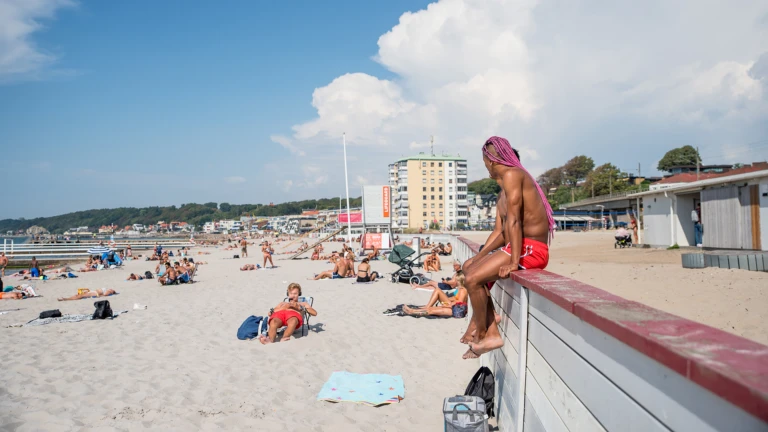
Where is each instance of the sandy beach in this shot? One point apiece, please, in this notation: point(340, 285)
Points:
point(178, 365)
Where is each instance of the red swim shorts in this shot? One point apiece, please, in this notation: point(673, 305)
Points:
point(534, 255)
point(285, 314)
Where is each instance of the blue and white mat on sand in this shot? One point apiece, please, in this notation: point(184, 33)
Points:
point(369, 389)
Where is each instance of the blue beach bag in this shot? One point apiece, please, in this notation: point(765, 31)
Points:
point(252, 327)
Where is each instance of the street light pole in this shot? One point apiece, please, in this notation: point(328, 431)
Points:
point(346, 181)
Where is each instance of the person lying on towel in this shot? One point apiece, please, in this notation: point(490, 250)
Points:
point(101, 292)
point(440, 304)
point(289, 314)
point(446, 284)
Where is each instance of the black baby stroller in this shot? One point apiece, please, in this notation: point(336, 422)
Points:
point(622, 241)
point(400, 254)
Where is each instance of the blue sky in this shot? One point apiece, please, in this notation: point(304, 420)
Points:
point(108, 104)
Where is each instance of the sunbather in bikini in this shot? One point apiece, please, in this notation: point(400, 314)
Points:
point(364, 273)
point(289, 314)
point(439, 303)
point(101, 292)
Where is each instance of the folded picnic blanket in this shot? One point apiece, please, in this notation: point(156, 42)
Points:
point(369, 389)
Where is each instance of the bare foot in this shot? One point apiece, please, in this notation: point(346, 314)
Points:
point(469, 334)
point(264, 340)
point(61, 299)
point(488, 344)
point(285, 339)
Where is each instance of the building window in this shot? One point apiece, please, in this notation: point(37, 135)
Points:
point(461, 197)
point(425, 214)
point(432, 164)
point(461, 189)
point(424, 189)
point(450, 205)
point(432, 197)
point(424, 164)
point(441, 205)
point(433, 214)
point(450, 214)
point(440, 172)
point(432, 181)
point(440, 164)
point(441, 189)
point(432, 189)
point(441, 215)
point(433, 205)
point(424, 205)
point(441, 198)
point(424, 181)
point(450, 197)
point(441, 181)
point(450, 164)
point(450, 189)
point(424, 197)
point(423, 172)
point(450, 180)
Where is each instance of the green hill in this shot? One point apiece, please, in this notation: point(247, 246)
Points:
point(195, 214)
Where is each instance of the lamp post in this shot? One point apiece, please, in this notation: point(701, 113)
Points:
point(346, 182)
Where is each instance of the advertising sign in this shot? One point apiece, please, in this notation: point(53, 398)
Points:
point(377, 201)
point(378, 241)
point(355, 219)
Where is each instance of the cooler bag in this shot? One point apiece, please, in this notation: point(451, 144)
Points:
point(465, 414)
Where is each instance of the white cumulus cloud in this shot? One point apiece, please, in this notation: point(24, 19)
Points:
point(20, 58)
point(558, 78)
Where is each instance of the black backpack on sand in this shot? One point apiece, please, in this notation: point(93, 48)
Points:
point(103, 310)
point(148, 275)
point(483, 385)
point(55, 313)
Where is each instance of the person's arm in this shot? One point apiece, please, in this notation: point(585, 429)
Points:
point(310, 310)
point(513, 191)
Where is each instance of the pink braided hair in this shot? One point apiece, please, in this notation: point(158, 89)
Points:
point(508, 158)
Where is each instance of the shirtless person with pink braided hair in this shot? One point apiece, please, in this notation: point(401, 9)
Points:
point(524, 224)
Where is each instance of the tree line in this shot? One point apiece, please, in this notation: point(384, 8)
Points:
point(579, 178)
point(192, 213)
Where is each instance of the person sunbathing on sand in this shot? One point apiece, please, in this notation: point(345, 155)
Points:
point(432, 262)
point(364, 273)
point(339, 270)
point(13, 295)
point(440, 304)
point(446, 284)
point(134, 277)
point(289, 314)
point(101, 292)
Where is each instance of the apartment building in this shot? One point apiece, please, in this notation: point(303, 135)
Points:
point(429, 189)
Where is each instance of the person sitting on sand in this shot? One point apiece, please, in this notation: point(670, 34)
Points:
point(248, 267)
point(169, 276)
point(447, 250)
point(432, 262)
point(189, 264)
point(339, 270)
point(439, 303)
point(182, 275)
point(289, 314)
point(373, 255)
point(101, 292)
point(133, 277)
point(448, 284)
point(364, 273)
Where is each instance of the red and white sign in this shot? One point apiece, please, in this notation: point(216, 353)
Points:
point(378, 241)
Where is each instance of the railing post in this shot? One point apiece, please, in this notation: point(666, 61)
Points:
point(522, 363)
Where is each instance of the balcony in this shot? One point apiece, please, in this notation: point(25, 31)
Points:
point(461, 172)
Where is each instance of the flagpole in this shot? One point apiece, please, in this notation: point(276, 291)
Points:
point(346, 181)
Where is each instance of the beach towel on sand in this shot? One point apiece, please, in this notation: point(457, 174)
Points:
point(369, 389)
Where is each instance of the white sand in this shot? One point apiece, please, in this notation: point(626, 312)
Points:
point(179, 366)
